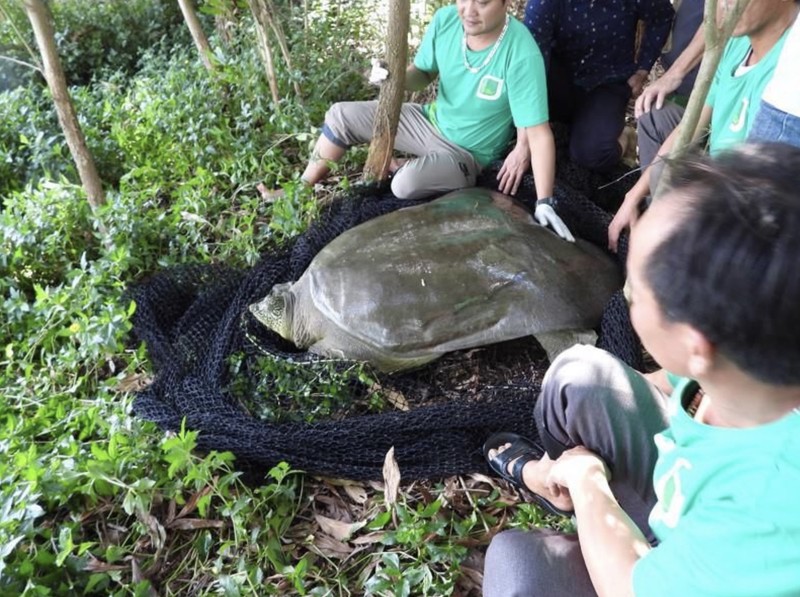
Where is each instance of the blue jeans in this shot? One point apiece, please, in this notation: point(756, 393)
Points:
point(775, 125)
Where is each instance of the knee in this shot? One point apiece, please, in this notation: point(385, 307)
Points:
point(509, 567)
point(572, 372)
point(335, 127)
point(593, 154)
point(658, 123)
point(405, 186)
point(580, 364)
point(646, 123)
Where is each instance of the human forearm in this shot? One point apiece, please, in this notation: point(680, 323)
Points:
point(543, 158)
point(610, 541)
point(690, 57)
point(417, 79)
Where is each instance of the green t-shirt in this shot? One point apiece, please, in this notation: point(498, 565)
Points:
point(735, 99)
point(727, 515)
point(478, 111)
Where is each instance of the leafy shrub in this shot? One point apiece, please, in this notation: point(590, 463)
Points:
point(32, 146)
point(97, 36)
point(43, 234)
point(95, 501)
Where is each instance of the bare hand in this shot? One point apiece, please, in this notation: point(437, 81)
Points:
point(636, 82)
point(514, 168)
point(572, 467)
point(625, 217)
point(655, 94)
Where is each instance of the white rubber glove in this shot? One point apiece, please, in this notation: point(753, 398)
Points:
point(547, 216)
point(379, 72)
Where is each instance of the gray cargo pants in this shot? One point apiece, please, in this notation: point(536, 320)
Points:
point(440, 166)
point(592, 399)
point(652, 129)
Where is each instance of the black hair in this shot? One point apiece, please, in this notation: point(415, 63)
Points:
point(731, 266)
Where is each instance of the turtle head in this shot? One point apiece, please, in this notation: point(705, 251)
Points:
point(276, 310)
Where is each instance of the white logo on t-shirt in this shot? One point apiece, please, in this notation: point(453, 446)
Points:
point(489, 87)
point(671, 498)
point(737, 124)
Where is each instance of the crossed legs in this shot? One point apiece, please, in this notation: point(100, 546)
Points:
point(440, 166)
point(592, 399)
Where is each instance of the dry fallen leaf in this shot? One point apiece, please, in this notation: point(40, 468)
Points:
point(369, 538)
point(138, 576)
point(189, 507)
point(134, 382)
point(338, 529)
point(330, 547)
point(357, 493)
point(155, 530)
point(397, 400)
point(393, 397)
point(190, 524)
point(391, 477)
point(95, 565)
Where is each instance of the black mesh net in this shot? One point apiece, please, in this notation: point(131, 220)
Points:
point(248, 391)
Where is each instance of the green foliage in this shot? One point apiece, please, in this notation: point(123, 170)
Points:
point(93, 37)
point(300, 392)
point(93, 500)
point(32, 146)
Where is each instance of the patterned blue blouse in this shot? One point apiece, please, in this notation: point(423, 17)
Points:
point(596, 39)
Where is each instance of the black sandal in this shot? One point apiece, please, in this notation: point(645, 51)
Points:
point(523, 450)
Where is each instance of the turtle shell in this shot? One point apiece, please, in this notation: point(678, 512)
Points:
point(468, 269)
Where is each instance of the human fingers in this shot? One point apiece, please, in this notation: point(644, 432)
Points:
point(613, 239)
point(615, 228)
point(638, 106)
point(660, 97)
point(505, 180)
point(516, 179)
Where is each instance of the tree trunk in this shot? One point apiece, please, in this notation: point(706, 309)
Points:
point(277, 30)
point(261, 16)
point(391, 96)
point(40, 19)
point(200, 40)
point(716, 39)
point(225, 22)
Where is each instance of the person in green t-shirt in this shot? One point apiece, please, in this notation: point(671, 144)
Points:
point(693, 493)
point(745, 69)
point(491, 81)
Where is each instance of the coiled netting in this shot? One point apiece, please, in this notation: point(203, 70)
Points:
point(248, 391)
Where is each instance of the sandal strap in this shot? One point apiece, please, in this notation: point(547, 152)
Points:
point(516, 469)
point(523, 451)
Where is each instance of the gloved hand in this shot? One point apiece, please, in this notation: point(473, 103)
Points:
point(379, 72)
point(547, 216)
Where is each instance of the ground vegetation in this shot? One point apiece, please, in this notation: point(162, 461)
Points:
point(92, 499)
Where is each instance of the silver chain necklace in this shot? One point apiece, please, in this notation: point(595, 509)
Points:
point(489, 56)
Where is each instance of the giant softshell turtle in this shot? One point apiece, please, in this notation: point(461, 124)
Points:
point(468, 269)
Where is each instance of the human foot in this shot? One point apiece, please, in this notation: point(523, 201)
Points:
point(396, 163)
point(269, 195)
point(526, 466)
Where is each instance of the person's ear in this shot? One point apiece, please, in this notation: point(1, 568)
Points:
point(701, 353)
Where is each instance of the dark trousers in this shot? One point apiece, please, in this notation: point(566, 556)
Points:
point(588, 398)
point(596, 117)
